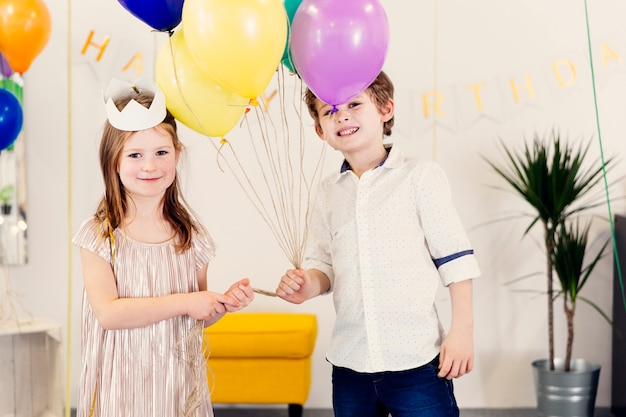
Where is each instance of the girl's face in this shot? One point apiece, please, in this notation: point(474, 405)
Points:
point(356, 125)
point(147, 166)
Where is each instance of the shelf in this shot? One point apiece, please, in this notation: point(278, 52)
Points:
point(30, 368)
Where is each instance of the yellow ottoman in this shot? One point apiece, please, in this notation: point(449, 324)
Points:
point(262, 358)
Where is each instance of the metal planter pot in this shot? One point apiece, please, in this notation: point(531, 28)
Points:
point(566, 394)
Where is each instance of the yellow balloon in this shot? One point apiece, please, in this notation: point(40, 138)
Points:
point(239, 43)
point(191, 95)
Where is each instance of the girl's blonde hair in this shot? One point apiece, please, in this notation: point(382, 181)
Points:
point(113, 205)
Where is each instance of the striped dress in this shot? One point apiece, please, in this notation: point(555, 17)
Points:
point(156, 370)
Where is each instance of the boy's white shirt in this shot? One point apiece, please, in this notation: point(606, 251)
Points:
point(376, 238)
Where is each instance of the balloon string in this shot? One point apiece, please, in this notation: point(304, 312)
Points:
point(219, 156)
point(282, 174)
point(435, 70)
point(277, 173)
point(275, 180)
point(286, 191)
point(306, 196)
point(182, 96)
point(70, 216)
point(606, 187)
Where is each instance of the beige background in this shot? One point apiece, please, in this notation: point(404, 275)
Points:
point(449, 44)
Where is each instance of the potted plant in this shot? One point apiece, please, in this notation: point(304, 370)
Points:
point(550, 176)
point(569, 389)
point(6, 194)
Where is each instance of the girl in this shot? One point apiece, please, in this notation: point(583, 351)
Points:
point(144, 263)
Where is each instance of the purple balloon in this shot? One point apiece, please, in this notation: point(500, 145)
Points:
point(5, 68)
point(11, 118)
point(339, 47)
point(162, 15)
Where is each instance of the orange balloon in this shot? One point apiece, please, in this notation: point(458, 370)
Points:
point(24, 31)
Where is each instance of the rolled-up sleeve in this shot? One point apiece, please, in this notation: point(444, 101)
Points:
point(445, 235)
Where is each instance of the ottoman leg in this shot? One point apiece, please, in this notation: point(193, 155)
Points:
point(295, 410)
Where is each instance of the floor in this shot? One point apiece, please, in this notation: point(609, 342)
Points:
point(278, 412)
point(324, 412)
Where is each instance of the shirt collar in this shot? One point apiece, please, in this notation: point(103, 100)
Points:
point(345, 166)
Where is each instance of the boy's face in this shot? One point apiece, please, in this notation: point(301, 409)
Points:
point(356, 125)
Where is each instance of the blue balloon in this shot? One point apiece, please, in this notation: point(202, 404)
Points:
point(11, 118)
point(162, 15)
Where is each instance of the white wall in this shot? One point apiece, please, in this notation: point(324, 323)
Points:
point(476, 42)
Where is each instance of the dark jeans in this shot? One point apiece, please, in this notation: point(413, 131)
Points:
point(416, 392)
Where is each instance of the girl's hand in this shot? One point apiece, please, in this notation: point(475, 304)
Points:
point(242, 293)
point(207, 305)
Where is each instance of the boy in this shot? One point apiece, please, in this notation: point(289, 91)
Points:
point(383, 235)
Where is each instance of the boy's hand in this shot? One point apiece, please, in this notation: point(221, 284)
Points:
point(295, 286)
point(457, 355)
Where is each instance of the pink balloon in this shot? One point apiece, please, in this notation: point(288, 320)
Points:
point(339, 47)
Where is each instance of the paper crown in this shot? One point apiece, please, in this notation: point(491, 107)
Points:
point(134, 116)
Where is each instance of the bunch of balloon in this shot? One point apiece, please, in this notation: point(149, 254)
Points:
point(24, 32)
point(339, 47)
point(11, 115)
point(214, 69)
point(223, 61)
